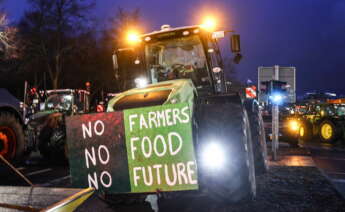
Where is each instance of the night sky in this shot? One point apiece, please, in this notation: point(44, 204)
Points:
point(307, 34)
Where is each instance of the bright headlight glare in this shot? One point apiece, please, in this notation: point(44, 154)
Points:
point(141, 82)
point(213, 156)
point(294, 125)
point(277, 98)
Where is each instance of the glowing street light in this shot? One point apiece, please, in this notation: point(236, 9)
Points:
point(209, 23)
point(133, 37)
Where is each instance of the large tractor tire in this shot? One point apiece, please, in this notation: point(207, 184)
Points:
point(52, 141)
point(328, 131)
point(224, 138)
point(259, 142)
point(305, 132)
point(12, 142)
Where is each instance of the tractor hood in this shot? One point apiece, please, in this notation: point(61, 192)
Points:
point(167, 92)
point(40, 117)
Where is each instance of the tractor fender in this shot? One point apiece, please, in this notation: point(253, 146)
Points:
point(10, 104)
point(251, 105)
point(54, 120)
point(42, 119)
point(12, 110)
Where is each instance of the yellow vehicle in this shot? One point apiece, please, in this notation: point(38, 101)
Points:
point(324, 120)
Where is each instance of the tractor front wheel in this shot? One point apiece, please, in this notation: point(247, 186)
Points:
point(12, 143)
point(225, 153)
point(52, 141)
point(305, 132)
point(259, 141)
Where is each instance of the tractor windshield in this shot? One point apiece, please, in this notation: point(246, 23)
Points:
point(59, 102)
point(177, 58)
point(341, 110)
point(131, 67)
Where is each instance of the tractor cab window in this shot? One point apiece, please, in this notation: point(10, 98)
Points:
point(329, 110)
point(131, 66)
point(176, 59)
point(81, 102)
point(341, 110)
point(59, 102)
point(301, 110)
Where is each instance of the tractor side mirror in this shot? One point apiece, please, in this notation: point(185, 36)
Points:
point(235, 43)
point(116, 66)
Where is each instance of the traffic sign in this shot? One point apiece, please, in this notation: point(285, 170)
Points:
point(251, 92)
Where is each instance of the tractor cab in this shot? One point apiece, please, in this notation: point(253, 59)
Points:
point(67, 100)
point(190, 52)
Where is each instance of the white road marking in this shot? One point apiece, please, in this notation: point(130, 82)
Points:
point(20, 168)
point(338, 180)
point(38, 172)
point(57, 180)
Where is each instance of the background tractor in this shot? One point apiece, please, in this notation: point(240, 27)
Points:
point(184, 65)
point(323, 120)
point(47, 126)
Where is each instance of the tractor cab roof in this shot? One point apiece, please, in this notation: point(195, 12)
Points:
point(168, 28)
point(67, 91)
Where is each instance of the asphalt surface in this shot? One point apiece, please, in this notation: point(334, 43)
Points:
point(38, 171)
point(331, 161)
point(282, 189)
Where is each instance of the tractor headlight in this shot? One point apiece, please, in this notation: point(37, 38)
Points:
point(141, 82)
point(277, 98)
point(293, 125)
point(213, 156)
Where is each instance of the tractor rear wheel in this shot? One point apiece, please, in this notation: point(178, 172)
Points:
point(328, 131)
point(12, 142)
point(259, 142)
point(224, 138)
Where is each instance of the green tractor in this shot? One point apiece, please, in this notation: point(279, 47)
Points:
point(184, 65)
point(176, 126)
point(46, 128)
point(323, 120)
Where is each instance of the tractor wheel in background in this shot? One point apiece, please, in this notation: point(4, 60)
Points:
point(12, 142)
point(52, 142)
point(305, 132)
point(328, 132)
point(224, 138)
point(259, 142)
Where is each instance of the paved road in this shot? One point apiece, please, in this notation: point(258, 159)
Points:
point(39, 172)
point(332, 162)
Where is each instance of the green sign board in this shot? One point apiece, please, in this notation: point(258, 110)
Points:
point(160, 149)
point(138, 150)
